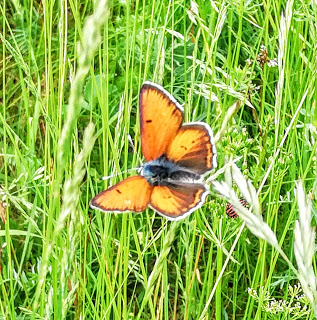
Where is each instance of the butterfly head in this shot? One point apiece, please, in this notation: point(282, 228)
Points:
point(158, 171)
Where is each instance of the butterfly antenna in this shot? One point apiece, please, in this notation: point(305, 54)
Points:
point(116, 174)
point(137, 168)
point(139, 160)
point(135, 151)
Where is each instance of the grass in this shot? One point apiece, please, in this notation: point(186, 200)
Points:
point(71, 73)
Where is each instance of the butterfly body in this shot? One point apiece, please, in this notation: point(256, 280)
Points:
point(162, 172)
point(177, 156)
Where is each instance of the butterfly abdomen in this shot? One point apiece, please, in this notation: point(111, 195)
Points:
point(185, 176)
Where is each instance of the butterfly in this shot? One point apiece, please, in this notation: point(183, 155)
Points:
point(177, 155)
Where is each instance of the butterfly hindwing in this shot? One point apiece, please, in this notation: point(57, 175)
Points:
point(131, 194)
point(160, 119)
point(193, 148)
point(176, 201)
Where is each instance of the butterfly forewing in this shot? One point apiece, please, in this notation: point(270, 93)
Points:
point(160, 119)
point(177, 201)
point(193, 148)
point(131, 194)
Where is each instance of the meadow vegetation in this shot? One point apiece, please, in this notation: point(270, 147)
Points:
point(70, 78)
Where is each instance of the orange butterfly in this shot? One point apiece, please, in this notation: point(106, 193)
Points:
point(178, 156)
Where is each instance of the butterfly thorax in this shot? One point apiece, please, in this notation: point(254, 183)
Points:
point(163, 171)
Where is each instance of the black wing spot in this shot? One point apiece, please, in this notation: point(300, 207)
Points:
point(175, 110)
point(148, 121)
point(193, 141)
point(184, 147)
point(118, 191)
